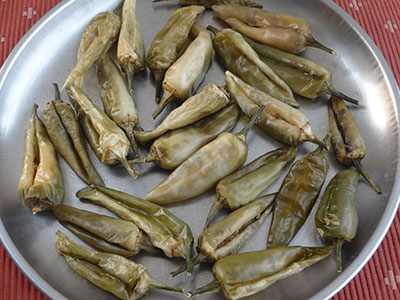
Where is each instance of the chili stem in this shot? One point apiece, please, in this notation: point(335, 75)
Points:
point(334, 92)
point(129, 74)
point(158, 285)
point(149, 248)
point(212, 287)
point(166, 98)
point(56, 91)
point(312, 42)
point(360, 168)
point(134, 173)
point(132, 141)
point(338, 243)
point(188, 257)
point(242, 134)
point(139, 160)
point(177, 271)
point(159, 76)
point(154, 1)
point(212, 29)
point(200, 257)
point(322, 144)
point(215, 208)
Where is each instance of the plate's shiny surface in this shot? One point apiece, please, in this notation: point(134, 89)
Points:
point(47, 54)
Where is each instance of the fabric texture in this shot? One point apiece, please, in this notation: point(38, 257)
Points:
point(379, 279)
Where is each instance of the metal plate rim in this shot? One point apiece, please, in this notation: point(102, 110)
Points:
point(5, 238)
point(328, 291)
point(393, 204)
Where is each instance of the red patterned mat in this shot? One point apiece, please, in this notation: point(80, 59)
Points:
point(379, 279)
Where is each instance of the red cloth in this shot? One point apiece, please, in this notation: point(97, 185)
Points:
point(379, 279)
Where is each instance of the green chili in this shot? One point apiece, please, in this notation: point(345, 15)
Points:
point(282, 122)
point(210, 100)
point(98, 36)
point(130, 50)
point(116, 274)
point(286, 32)
point(244, 185)
point(296, 197)
point(174, 147)
point(90, 133)
point(65, 134)
point(346, 138)
point(303, 76)
point(239, 58)
point(164, 229)
point(204, 168)
point(102, 232)
point(185, 75)
point(40, 186)
point(117, 100)
point(336, 218)
point(111, 139)
point(226, 236)
point(244, 274)
point(169, 42)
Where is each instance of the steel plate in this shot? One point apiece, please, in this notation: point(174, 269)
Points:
point(48, 53)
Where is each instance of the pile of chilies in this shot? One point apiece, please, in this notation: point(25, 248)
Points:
point(262, 77)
